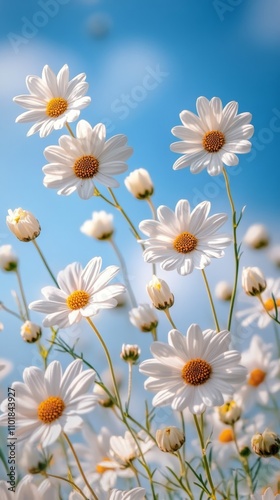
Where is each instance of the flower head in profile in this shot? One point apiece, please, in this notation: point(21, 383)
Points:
point(8, 259)
point(78, 162)
point(23, 224)
point(193, 371)
point(81, 293)
point(213, 138)
point(262, 311)
point(53, 100)
point(184, 240)
point(50, 402)
point(100, 226)
point(267, 495)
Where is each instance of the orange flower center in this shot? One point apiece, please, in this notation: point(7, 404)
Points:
point(86, 167)
point(269, 304)
point(213, 141)
point(50, 409)
point(256, 377)
point(56, 107)
point(226, 436)
point(185, 243)
point(77, 300)
point(101, 468)
point(196, 372)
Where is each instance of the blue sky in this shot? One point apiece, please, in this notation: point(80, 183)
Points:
point(228, 49)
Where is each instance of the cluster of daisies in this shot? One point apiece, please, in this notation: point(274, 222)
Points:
point(221, 405)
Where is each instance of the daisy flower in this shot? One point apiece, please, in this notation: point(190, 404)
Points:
point(81, 294)
point(53, 100)
point(184, 240)
point(262, 378)
point(267, 495)
point(212, 138)
point(78, 162)
point(27, 489)
point(258, 313)
point(134, 494)
point(194, 371)
point(50, 402)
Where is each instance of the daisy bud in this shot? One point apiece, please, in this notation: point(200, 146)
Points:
point(253, 281)
point(160, 294)
point(229, 413)
point(256, 236)
point(223, 290)
point(100, 226)
point(245, 451)
point(139, 184)
point(266, 444)
point(130, 353)
point(103, 397)
point(144, 317)
point(23, 224)
point(169, 439)
point(8, 260)
point(30, 332)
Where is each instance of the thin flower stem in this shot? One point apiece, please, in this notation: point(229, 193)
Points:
point(168, 315)
point(277, 338)
point(70, 482)
point(52, 341)
point(211, 300)
point(45, 262)
point(97, 193)
point(243, 461)
point(124, 272)
point(152, 207)
point(22, 294)
point(2, 306)
point(204, 458)
point(267, 312)
point(154, 334)
point(235, 248)
point(184, 432)
point(129, 389)
point(79, 466)
point(183, 474)
point(119, 207)
point(69, 129)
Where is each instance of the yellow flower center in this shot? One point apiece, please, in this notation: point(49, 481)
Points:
point(256, 377)
point(196, 371)
point(50, 409)
point(185, 243)
point(226, 436)
point(213, 141)
point(77, 299)
point(269, 304)
point(86, 167)
point(56, 107)
point(101, 468)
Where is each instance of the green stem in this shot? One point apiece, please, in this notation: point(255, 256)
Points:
point(204, 458)
point(79, 466)
point(129, 389)
point(119, 207)
point(97, 193)
point(69, 482)
point(152, 207)
point(168, 315)
point(243, 461)
point(10, 311)
point(211, 301)
point(124, 272)
point(22, 294)
point(154, 334)
point(69, 129)
point(267, 312)
point(45, 262)
point(235, 248)
point(183, 474)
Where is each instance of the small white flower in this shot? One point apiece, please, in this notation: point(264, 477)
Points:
point(253, 281)
point(266, 444)
point(8, 259)
point(100, 226)
point(230, 412)
point(212, 138)
point(5, 367)
point(184, 240)
point(160, 293)
point(53, 100)
point(130, 353)
point(78, 162)
point(139, 184)
point(256, 236)
point(30, 332)
point(144, 317)
point(193, 371)
point(169, 439)
point(26, 489)
point(50, 402)
point(23, 224)
point(123, 449)
point(82, 293)
point(223, 290)
point(268, 495)
point(134, 494)
point(258, 312)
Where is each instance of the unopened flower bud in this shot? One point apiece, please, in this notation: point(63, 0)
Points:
point(245, 451)
point(99, 391)
point(139, 184)
point(160, 293)
point(253, 281)
point(23, 224)
point(274, 255)
point(169, 439)
point(223, 290)
point(229, 412)
point(30, 332)
point(130, 353)
point(266, 444)
point(256, 236)
point(144, 317)
point(8, 260)
point(100, 226)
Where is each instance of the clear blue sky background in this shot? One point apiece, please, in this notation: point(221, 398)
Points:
point(228, 49)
